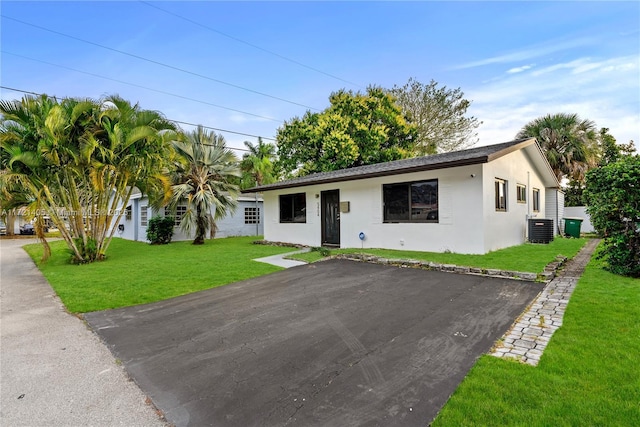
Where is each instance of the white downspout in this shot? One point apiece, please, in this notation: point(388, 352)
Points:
point(528, 197)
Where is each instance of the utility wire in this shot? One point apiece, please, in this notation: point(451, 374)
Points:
point(293, 61)
point(227, 131)
point(182, 70)
point(140, 86)
point(175, 121)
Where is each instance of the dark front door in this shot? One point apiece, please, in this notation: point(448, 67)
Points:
point(330, 202)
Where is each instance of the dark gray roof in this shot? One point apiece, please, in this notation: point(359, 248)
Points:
point(437, 161)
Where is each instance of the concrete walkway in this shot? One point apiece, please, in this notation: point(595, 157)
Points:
point(54, 371)
point(529, 336)
point(280, 260)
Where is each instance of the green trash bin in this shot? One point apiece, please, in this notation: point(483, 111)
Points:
point(572, 227)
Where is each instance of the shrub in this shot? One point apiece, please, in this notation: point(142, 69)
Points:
point(160, 230)
point(612, 194)
point(323, 251)
point(88, 251)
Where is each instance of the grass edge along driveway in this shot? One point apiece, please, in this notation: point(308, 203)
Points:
point(588, 375)
point(138, 273)
point(527, 257)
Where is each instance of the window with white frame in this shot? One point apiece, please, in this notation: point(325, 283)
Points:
point(181, 210)
point(411, 201)
point(143, 216)
point(252, 215)
point(521, 193)
point(501, 195)
point(536, 200)
point(127, 213)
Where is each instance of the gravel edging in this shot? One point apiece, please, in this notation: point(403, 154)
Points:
point(547, 275)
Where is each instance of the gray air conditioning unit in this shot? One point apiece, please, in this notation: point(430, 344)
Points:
point(540, 230)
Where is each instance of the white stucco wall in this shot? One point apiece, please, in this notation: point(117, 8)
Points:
point(504, 229)
point(128, 231)
point(460, 219)
point(232, 225)
point(468, 221)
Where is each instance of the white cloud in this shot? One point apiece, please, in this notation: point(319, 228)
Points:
point(605, 91)
point(549, 47)
point(520, 69)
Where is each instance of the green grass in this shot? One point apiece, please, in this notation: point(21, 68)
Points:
point(589, 374)
point(527, 257)
point(138, 273)
point(308, 257)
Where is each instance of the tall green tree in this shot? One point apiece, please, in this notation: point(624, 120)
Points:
point(257, 164)
point(204, 169)
point(612, 194)
point(79, 159)
point(569, 143)
point(440, 114)
point(610, 150)
point(356, 129)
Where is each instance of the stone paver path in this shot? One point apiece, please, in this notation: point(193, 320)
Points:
point(530, 335)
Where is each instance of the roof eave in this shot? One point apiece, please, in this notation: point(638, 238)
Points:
point(403, 171)
point(515, 147)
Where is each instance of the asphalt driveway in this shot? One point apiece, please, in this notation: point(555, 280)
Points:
point(336, 343)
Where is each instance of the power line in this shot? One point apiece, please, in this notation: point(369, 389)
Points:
point(182, 70)
point(227, 131)
point(142, 87)
point(175, 121)
point(168, 12)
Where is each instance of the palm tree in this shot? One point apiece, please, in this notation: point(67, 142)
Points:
point(78, 159)
point(202, 180)
point(26, 175)
point(570, 144)
point(132, 150)
point(257, 164)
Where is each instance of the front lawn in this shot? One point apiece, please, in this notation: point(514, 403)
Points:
point(138, 273)
point(528, 257)
point(589, 374)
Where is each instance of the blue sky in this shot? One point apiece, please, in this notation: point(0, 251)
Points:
point(515, 61)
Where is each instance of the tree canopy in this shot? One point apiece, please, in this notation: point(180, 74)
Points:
point(440, 116)
point(203, 172)
point(569, 143)
point(77, 161)
point(612, 194)
point(257, 164)
point(609, 151)
point(356, 129)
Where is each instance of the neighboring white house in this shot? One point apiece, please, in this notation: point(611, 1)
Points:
point(247, 220)
point(471, 201)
